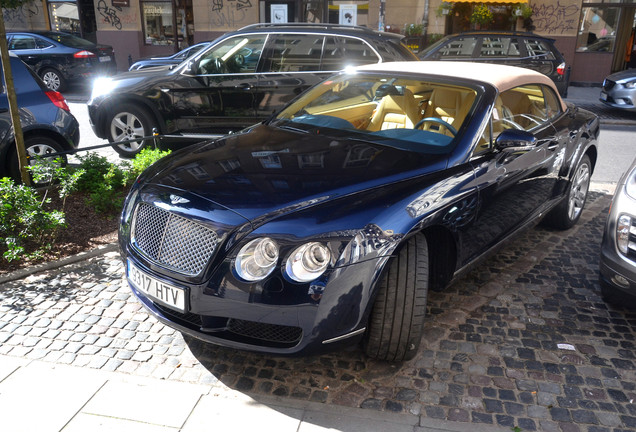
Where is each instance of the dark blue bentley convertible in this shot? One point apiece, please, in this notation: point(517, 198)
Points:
point(327, 224)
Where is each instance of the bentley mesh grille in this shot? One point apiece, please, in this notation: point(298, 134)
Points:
point(173, 241)
point(265, 332)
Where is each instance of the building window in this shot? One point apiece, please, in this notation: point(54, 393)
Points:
point(597, 30)
point(157, 20)
point(64, 17)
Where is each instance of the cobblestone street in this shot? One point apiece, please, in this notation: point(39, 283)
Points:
point(522, 341)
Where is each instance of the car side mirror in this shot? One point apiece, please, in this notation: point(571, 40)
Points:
point(513, 140)
point(192, 67)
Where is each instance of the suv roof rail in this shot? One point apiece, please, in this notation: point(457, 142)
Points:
point(327, 26)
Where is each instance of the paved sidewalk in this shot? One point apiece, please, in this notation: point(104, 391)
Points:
point(36, 396)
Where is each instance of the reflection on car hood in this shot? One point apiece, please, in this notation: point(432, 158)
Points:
point(623, 75)
point(269, 169)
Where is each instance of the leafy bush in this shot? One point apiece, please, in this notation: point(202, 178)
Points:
point(144, 159)
point(23, 220)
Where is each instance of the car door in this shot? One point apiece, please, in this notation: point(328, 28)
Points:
point(514, 185)
point(26, 47)
point(216, 94)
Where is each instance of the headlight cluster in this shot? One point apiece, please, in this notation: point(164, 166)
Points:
point(257, 259)
point(630, 84)
point(623, 227)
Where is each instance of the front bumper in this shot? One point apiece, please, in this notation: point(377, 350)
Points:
point(255, 320)
point(616, 95)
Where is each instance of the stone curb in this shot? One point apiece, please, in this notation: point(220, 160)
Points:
point(51, 265)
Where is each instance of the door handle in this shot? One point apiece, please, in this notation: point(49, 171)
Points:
point(244, 86)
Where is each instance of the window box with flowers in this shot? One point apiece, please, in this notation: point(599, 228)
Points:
point(482, 16)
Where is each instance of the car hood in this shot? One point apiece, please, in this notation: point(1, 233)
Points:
point(626, 75)
point(271, 171)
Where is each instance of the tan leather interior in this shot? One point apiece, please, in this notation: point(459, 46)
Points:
point(450, 105)
point(396, 112)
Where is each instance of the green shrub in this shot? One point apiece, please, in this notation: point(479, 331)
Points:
point(24, 220)
point(144, 159)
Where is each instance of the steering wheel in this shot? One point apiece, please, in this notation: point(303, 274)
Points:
point(439, 121)
point(219, 66)
point(239, 59)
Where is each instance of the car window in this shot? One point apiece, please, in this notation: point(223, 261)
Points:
point(341, 52)
point(493, 47)
point(525, 108)
point(459, 47)
point(293, 53)
point(20, 42)
point(42, 43)
point(70, 40)
point(538, 48)
point(239, 54)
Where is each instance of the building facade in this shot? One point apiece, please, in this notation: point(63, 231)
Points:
point(596, 37)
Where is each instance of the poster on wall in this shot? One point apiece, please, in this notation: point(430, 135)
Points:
point(278, 13)
point(348, 14)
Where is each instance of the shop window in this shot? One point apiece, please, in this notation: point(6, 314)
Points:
point(597, 30)
point(157, 20)
point(64, 17)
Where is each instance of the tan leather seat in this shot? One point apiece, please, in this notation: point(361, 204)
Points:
point(449, 105)
point(396, 112)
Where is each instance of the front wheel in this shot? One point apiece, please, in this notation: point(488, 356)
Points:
point(397, 318)
point(128, 123)
point(567, 213)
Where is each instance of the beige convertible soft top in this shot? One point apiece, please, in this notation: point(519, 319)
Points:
point(500, 76)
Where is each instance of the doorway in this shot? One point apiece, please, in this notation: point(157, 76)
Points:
point(625, 39)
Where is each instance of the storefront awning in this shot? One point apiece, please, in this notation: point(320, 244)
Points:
point(493, 2)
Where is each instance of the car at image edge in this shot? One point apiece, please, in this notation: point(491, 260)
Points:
point(619, 90)
point(617, 273)
point(241, 79)
point(326, 225)
point(47, 123)
point(61, 58)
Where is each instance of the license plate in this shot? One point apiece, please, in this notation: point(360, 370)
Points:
point(104, 59)
point(603, 96)
point(157, 290)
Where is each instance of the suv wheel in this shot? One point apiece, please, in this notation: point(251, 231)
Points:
point(53, 79)
point(127, 123)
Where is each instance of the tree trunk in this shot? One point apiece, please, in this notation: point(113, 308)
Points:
point(13, 105)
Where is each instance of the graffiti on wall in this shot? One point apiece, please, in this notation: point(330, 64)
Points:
point(560, 18)
point(115, 17)
point(230, 13)
point(20, 16)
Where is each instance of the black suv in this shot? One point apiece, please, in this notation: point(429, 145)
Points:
point(242, 78)
point(511, 48)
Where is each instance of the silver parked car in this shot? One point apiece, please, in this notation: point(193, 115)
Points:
point(619, 90)
point(618, 250)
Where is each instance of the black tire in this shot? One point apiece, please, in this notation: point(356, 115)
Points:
point(35, 146)
point(567, 213)
point(53, 79)
point(129, 122)
point(397, 318)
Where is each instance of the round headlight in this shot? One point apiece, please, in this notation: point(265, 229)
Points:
point(308, 262)
point(257, 259)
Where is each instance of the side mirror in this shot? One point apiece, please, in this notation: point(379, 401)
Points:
point(513, 140)
point(192, 67)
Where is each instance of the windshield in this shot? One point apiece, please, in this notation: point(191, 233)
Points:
point(420, 115)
